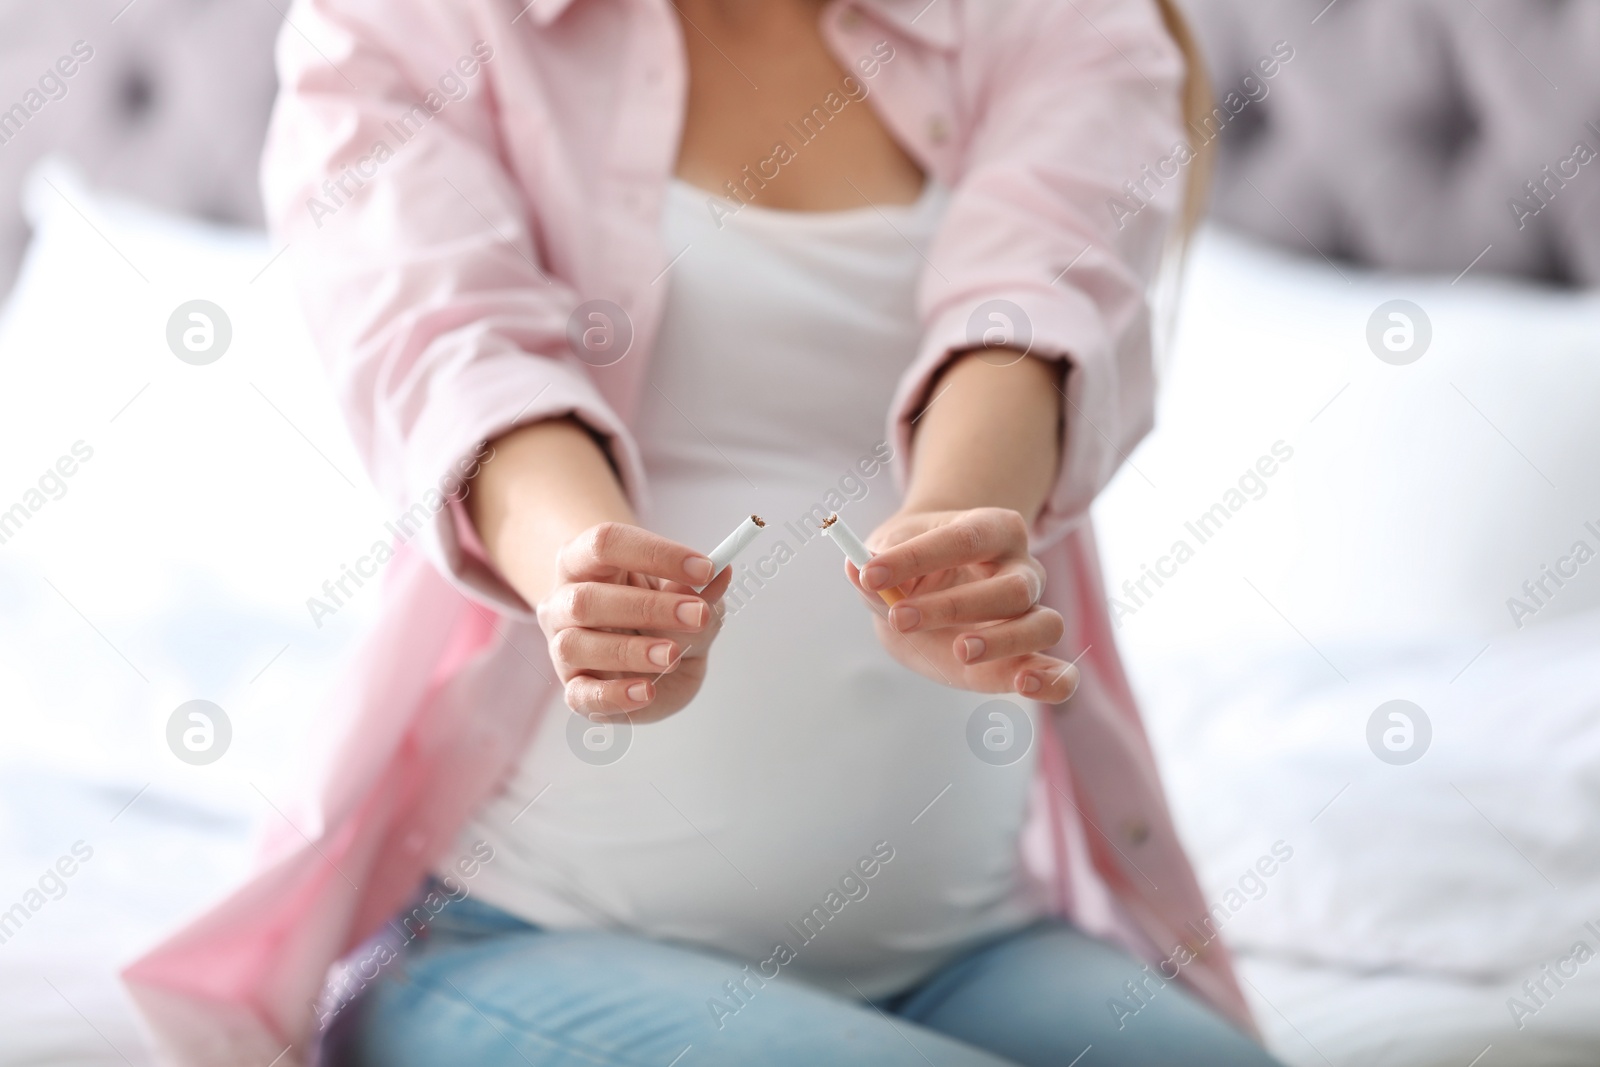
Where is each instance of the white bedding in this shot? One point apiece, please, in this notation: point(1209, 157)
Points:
point(1357, 953)
point(1374, 564)
point(1328, 1015)
point(175, 566)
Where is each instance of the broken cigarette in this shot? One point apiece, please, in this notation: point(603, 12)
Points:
point(856, 553)
point(732, 545)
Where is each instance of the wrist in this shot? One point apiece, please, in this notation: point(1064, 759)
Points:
point(989, 437)
point(550, 481)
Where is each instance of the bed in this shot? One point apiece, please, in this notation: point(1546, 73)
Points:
point(1410, 501)
point(1374, 565)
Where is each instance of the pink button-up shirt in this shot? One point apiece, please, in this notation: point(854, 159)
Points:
point(453, 178)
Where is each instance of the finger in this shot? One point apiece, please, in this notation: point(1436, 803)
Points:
point(713, 592)
point(976, 537)
point(1036, 677)
point(1006, 595)
point(876, 603)
point(1035, 631)
point(1044, 678)
point(576, 650)
point(600, 552)
point(589, 695)
point(600, 605)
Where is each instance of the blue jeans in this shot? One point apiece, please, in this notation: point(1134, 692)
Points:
point(482, 987)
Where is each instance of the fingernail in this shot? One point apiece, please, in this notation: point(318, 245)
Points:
point(660, 654)
point(972, 648)
point(1030, 683)
point(873, 577)
point(699, 568)
point(638, 692)
point(691, 613)
point(904, 617)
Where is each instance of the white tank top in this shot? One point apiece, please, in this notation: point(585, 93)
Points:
point(750, 819)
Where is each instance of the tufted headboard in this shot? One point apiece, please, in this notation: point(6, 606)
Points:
point(1414, 134)
point(166, 99)
point(1398, 134)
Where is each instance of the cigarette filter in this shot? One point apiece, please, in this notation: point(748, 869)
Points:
point(732, 545)
point(857, 553)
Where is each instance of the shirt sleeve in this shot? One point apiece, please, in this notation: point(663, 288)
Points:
point(1043, 242)
point(417, 265)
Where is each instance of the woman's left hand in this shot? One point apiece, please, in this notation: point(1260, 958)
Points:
point(971, 617)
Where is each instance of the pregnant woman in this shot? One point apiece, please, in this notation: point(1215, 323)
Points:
point(595, 280)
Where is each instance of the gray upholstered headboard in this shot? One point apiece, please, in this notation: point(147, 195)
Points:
point(170, 105)
point(1406, 133)
point(1399, 133)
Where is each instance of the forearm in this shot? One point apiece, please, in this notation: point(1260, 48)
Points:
point(984, 453)
point(548, 482)
point(991, 438)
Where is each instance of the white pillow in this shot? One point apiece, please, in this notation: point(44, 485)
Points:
point(1416, 500)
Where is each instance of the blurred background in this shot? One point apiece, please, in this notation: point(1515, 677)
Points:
point(1355, 570)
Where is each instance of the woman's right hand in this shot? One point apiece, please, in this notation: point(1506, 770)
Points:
point(627, 631)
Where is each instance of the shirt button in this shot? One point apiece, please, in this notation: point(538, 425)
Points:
point(850, 20)
point(1138, 831)
point(938, 130)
